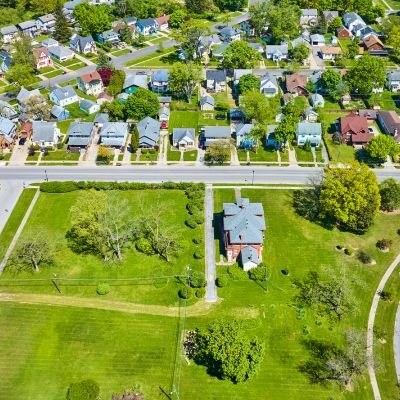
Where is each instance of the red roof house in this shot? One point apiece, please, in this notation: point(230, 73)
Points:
point(354, 130)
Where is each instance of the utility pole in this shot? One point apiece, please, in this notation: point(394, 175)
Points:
point(252, 181)
point(45, 175)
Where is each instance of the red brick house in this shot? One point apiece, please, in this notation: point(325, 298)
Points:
point(354, 130)
point(343, 33)
point(372, 43)
point(243, 227)
point(297, 84)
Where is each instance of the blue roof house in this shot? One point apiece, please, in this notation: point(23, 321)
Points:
point(89, 106)
point(243, 138)
point(159, 81)
point(133, 82)
point(7, 132)
point(109, 38)
point(114, 134)
point(149, 132)
point(59, 113)
point(146, 26)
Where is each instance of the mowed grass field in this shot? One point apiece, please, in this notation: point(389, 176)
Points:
point(51, 215)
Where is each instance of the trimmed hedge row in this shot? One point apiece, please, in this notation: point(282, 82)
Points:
point(70, 186)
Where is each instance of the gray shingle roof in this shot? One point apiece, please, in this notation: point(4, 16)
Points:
point(277, 49)
point(27, 25)
point(43, 131)
point(56, 111)
point(149, 131)
point(216, 75)
point(8, 30)
point(60, 51)
point(164, 111)
point(238, 73)
point(101, 118)
point(243, 129)
point(207, 100)
point(24, 94)
point(393, 76)
point(135, 80)
point(63, 92)
point(6, 126)
point(182, 134)
point(220, 132)
point(80, 129)
point(308, 128)
point(249, 253)
point(114, 133)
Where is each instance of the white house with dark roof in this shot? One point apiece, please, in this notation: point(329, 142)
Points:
point(183, 138)
point(114, 134)
point(149, 132)
point(80, 134)
point(269, 85)
point(229, 34)
point(215, 80)
point(159, 81)
point(8, 33)
point(46, 23)
point(211, 134)
point(309, 16)
point(45, 133)
point(28, 27)
point(63, 96)
point(207, 103)
point(277, 52)
point(393, 81)
point(83, 44)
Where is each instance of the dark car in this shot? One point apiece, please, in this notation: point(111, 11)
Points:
point(220, 117)
point(22, 141)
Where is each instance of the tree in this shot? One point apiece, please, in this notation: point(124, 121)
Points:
point(103, 62)
point(101, 225)
point(330, 80)
point(105, 75)
point(353, 49)
point(239, 54)
point(32, 252)
point(247, 83)
point(115, 109)
point(135, 140)
point(183, 79)
point(394, 40)
point(350, 197)
point(126, 34)
point(328, 297)
point(228, 352)
point(218, 152)
point(140, 104)
point(199, 6)
point(259, 274)
point(43, 7)
point(104, 154)
point(116, 82)
point(258, 14)
point(300, 53)
point(255, 106)
point(62, 29)
point(21, 74)
point(366, 74)
point(382, 146)
point(231, 5)
point(177, 19)
point(285, 131)
point(85, 390)
point(92, 19)
point(389, 190)
point(138, 40)
point(22, 50)
point(37, 107)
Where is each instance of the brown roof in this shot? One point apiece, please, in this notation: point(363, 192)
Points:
point(392, 122)
point(369, 114)
point(163, 20)
point(343, 29)
point(357, 127)
point(295, 80)
point(372, 40)
point(39, 51)
point(331, 50)
point(26, 127)
point(93, 76)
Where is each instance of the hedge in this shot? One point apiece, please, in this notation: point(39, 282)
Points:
point(70, 186)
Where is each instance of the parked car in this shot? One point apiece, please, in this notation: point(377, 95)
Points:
point(164, 125)
point(220, 117)
point(22, 141)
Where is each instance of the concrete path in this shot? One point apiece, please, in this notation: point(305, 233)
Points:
point(396, 343)
point(19, 231)
point(9, 195)
point(370, 330)
point(211, 274)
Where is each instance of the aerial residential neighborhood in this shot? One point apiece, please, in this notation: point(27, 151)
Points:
point(199, 200)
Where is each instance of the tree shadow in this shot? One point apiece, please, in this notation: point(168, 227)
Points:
point(218, 231)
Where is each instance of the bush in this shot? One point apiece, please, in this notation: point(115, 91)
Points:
point(221, 281)
point(385, 295)
point(197, 279)
point(197, 240)
point(285, 271)
point(191, 222)
point(152, 151)
point(145, 151)
point(259, 273)
point(85, 390)
point(103, 288)
point(200, 293)
point(364, 257)
point(348, 251)
point(58, 187)
point(198, 255)
point(144, 246)
point(192, 208)
point(185, 293)
point(383, 244)
point(199, 218)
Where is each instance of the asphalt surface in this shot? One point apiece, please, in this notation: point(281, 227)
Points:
point(211, 273)
point(9, 195)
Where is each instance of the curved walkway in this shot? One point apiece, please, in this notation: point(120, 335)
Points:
point(370, 331)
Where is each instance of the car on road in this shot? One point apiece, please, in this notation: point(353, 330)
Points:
point(164, 125)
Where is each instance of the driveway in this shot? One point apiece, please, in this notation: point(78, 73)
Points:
point(9, 195)
point(19, 154)
point(211, 274)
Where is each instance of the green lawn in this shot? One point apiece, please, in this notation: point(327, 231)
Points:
point(387, 101)
point(263, 154)
point(173, 155)
point(208, 118)
point(150, 59)
point(302, 155)
point(46, 69)
point(190, 155)
point(284, 156)
point(60, 155)
point(64, 125)
point(53, 74)
point(35, 157)
point(75, 111)
point(340, 153)
point(15, 219)
point(121, 52)
point(77, 66)
point(148, 156)
point(183, 119)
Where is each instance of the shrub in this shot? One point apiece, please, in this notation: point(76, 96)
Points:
point(198, 254)
point(103, 288)
point(364, 257)
point(197, 240)
point(259, 273)
point(152, 151)
point(385, 295)
point(197, 280)
point(1, 156)
point(285, 271)
point(222, 281)
point(144, 246)
point(185, 293)
point(144, 151)
point(85, 390)
point(200, 293)
point(348, 251)
point(191, 222)
point(199, 218)
point(192, 208)
point(383, 244)
point(58, 187)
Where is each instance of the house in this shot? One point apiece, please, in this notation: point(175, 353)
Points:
point(146, 26)
point(310, 115)
point(183, 138)
point(83, 44)
point(7, 132)
point(8, 33)
point(366, 32)
point(344, 33)
point(25, 130)
point(237, 74)
point(5, 62)
point(329, 16)
point(80, 134)
point(45, 134)
point(243, 227)
point(164, 101)
point(270, 140)
point(215, 80)
point(61, 53)
point(104, 98)
point(159, 81)
point(109, 38)
point(133, 82)
point(59, 113)
point(63, 96)
point(247, 28)
point(41, 57)
point(374, 46)
point(163, 114)
point(329, 52)
point(229, 34)
point(149, 132)
point(334, 40)
point(89, 106)
point(317, 100)
point(130, 21)
point(353, 22)
point(218, 51)
point(389, 121)
point(269, 85)
point(207, 103)
point(309, 132)
point(90, 83)
point(212, 134)
point(46, 23)
point(70, 5)
point(236, 115)
point(300, 40)
point(296, 84)
point(28, 28)
point(207, 42)
point(49, 43)
point(393, 81)
point(7, 110)
point(354, 130)
point(258, 47)
point(317, 40)
point(114, 134)
point(163, 23)
point(242, 136)
point(24, 95)
point(277, 53)
point(100, 120)
point(309, 16)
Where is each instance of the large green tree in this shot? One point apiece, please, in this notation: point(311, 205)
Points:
point(258, 13)
point(300, 53)
point(330, 80)
point(62, 32)
point(285, 131)
point(92, 19)
point(84, 390)
point(22, 50)
point(142, 103)
point(199, 6)
point(366, 74)
point(256, 106)
point(247, 83)
point(231, 5)
point(116, 82)
point(183, 79)
point(350, 197)
point(389, 190)
point(239, 55)
point(382, 146)
point(177, 19)
point(227, 350)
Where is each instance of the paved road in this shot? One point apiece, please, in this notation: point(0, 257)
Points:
point(243, 174)
point(9, 195)
point(396, 344)
point(211, 273)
